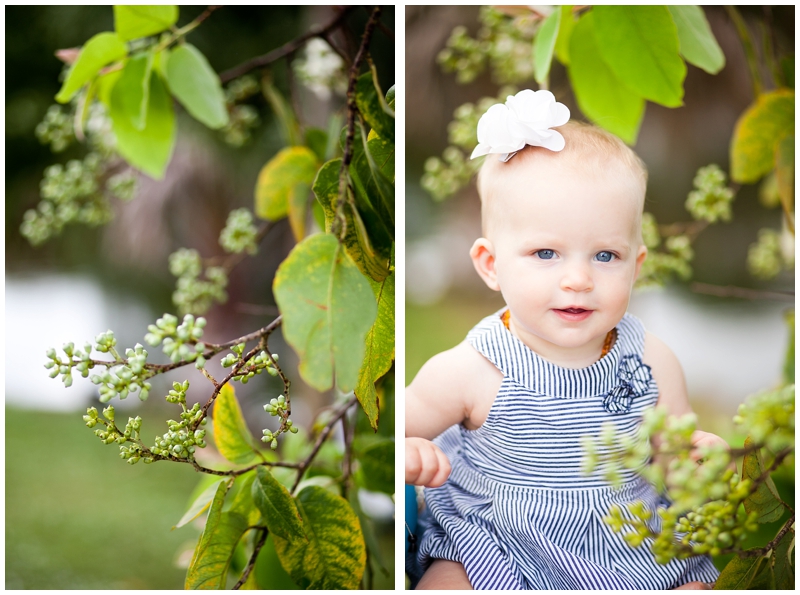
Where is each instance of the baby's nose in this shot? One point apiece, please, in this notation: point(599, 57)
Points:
point(577, 277)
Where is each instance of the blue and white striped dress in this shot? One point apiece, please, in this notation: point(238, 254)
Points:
point(518, 511)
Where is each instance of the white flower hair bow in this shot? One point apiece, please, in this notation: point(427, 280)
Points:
point(525, 119)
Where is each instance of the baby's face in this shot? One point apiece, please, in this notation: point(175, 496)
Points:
point(566, 253)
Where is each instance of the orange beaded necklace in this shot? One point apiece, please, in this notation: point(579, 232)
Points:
point(611, 337)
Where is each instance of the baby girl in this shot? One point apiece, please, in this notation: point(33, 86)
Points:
point(507, 502)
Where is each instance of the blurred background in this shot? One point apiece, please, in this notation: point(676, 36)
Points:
point(76, 515)
point(729, 347)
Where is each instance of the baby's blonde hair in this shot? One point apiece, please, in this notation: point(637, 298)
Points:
point(591, 150)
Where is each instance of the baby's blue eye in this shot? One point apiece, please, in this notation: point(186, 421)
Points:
point(545, 254)
point(604, 256)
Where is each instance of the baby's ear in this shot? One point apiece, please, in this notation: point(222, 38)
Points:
point(482, 254)
point(640, 257)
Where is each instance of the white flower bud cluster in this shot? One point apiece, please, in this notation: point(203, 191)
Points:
point(243, 118)
point(321, 69)
point(767, 257)
point(239, 233)
point(278, 408)
point(122, 185)
point(192, 294)
point(56, 129)
point(255, 365)
point(179, 342)
point(660, 265)
point(181, 441)
point(711, 199)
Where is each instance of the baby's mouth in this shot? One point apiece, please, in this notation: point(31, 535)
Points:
point(573, 314)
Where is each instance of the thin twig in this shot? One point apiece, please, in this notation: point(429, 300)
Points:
point(742, 292)
point(321, 438)
point(351, 118)
point(286, 49)
point(252, 562)
point(771, 545)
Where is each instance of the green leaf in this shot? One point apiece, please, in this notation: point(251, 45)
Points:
point(209, 566)
point(277, 507)
point(697, 42)
point(149, 149)
point(739, 573)
point(231, 435)
point(278, 181)
point(105, 84)
point(564, 34)
point(199, 506)
point(132, 90)
point(782, 563)
point(600, 95)
point(377, 467)
point(100, 50)
point(543, 46)
point(380, 189)
point(241, 499)
point(290, 129)
point(788, 362)
point(374, 554)
point(371, 260)
point(334, 557)
point(787, 68)
point(370, 106)
point(379, 350)
point(757, 133)
point(764, 579)
point(765, 500)
point(327, 307)
point(316, 139)
point(195, 84)
point(132, 22)
point(298, 207)
point(640, 45)
point(269, 572)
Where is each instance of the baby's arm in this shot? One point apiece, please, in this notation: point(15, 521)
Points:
point(446, 391)
point(673, 395)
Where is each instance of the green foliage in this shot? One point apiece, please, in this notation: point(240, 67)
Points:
point(195, 84)
point(122, 87)
point(544, 45)
point(698, 45)
point(376, 466)
point(328, 308)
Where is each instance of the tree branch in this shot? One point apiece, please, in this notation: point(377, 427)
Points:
point(323, 435)
point(286, 49)
point(771, 545)
point(252, 562)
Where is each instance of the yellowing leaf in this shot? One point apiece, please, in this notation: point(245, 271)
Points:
point(738, 574)
point(764, 500)
point(640, 45)
point(782, 562)
point(543, 46)
point(600, 95)
point(279, 179)
point(231, 435)
point(100, 50)
point(334, 557)
point(195, 84)
point(379, 350)
point(371, 260)
point(148, 149)
point(269, 572)
point(327, 307)
point(757, 133)
point(370, 105)
point(698, 44)
point(277, 507)
point(132, 22)
point(784, 171)
point(209, 566)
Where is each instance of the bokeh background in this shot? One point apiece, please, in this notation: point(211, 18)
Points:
point(77, 517)
point(729, 347)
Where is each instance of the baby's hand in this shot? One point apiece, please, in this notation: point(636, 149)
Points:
point(426, 464)
point(701, 439)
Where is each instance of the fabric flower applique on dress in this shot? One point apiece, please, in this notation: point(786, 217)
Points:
point(524, 119)
point(634, 377)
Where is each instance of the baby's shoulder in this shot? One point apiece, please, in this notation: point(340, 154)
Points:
point(460, 371)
